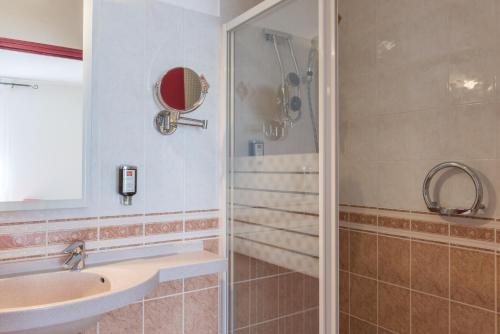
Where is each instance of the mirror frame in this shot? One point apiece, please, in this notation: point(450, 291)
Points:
point(88, 14)
point(204, 91)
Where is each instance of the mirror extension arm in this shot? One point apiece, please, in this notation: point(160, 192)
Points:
point(167, 121)
point(201, 123)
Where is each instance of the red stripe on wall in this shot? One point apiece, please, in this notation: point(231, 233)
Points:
point(39, 48)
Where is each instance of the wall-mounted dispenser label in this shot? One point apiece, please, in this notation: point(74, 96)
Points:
point(127, 179)
point(256, 148)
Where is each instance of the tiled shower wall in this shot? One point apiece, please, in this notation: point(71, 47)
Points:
point(275, 286)
point(418, 86)
point(269, 299)
point(134, 42)
point(403, 272)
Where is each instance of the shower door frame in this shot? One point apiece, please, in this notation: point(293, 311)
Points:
point(328, 162)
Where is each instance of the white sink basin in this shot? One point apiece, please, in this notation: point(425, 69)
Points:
point(70, 302)
point(42, 289)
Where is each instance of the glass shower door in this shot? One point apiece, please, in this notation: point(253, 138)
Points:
point(273, 189)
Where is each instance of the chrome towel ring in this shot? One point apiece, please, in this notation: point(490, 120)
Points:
point(435, 207)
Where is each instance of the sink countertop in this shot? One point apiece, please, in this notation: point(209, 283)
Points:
point(130, 281)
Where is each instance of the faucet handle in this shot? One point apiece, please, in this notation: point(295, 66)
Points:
point(77, 245)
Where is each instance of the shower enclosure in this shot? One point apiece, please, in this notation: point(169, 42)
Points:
point(276, 223)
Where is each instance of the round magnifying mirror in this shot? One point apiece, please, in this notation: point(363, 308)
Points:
point(181, 89)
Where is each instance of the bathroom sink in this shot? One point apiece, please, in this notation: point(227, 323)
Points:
point(66, 302)
point(42, 289)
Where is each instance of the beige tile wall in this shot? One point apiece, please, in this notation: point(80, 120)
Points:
point(418, 86)
point(270, 299)
point(185, 306)
point(415, 273)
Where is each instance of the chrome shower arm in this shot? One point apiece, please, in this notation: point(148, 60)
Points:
point(292, 53)
point(280, 62)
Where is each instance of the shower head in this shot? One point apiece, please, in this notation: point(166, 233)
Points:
point(271, 35)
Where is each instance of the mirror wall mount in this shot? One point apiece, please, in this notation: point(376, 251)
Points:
point(166, 122)
point(179, 91)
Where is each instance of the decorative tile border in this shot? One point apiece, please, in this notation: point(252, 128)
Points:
point(202, 224)
point(164, 228)
point(64, 237)
point(462, 231)
point(21, 240)
point(393, 222)
point(430, 227)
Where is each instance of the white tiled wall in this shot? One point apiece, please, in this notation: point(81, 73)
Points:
point(134, 42)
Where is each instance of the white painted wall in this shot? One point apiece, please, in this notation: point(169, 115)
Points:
point(56, 22)
point(38, 67)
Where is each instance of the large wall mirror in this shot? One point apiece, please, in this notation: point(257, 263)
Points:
point(43, 98)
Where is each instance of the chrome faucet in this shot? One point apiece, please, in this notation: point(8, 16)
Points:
point(76, 259)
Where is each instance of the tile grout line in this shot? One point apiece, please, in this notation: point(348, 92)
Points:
point(449, 289)
point(143, 316)
point(280, 318)
point(411, 281)
point(46, 252)
point(373, 324)
point(177, 294)
point(378, 281)
point(279, 301)
point(249, 293)
point(183, 297)
point(496, 290)
point(268, 276)
point(349, 279)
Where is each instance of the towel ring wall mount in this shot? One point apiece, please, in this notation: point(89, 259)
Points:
point(434, 206)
